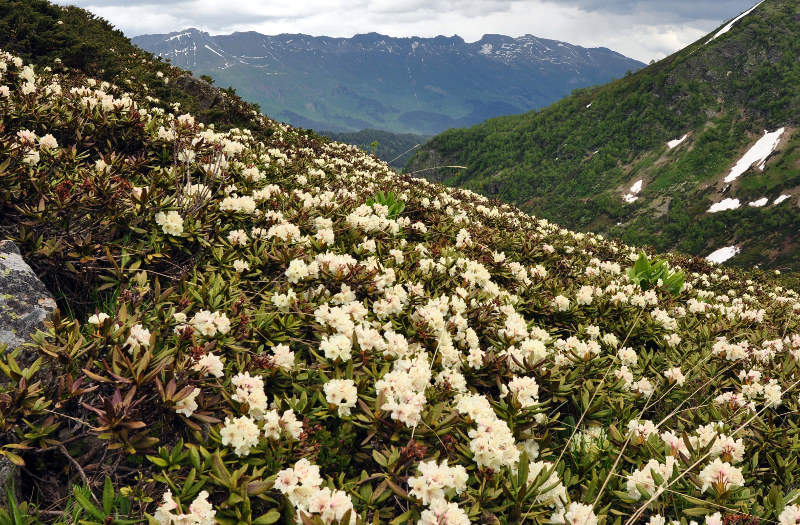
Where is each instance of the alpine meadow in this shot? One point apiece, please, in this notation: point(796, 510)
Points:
point(230, 320)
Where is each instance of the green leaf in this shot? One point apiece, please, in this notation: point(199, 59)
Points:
point(270, 517)
point(642, 265)
point(522, 474)
point(83, 499)
point(403, 518)
point(108, 496)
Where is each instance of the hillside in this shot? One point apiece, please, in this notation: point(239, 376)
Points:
point(257, 326)
point(576, 160)
point(403, 85)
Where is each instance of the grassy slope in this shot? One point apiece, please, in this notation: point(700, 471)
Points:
point(486, 298)
point(725, 93)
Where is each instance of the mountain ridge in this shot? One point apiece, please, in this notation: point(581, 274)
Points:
point(721, 93)
point(400, 84)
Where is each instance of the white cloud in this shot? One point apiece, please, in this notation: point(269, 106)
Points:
point(642, 29)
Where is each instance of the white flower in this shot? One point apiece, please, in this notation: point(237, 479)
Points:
point(201, 511)
point(208, 323)
point(342, 393)
point(250, 390)
point(790, 515)
point(139, 336)
point(98, 319)
point(31, 157)
point(628, 356)
point(283, 358)
point(675, 375)
point(237, 238)
point(435, 479)
point(561, 303)
point(188, 404)
point(48, 142)
point(337, 346)
point(642, 479)
point(297, 271)
point(210, 364)
point(240, 265)
point(772, 393)
point(580, 514)
point(331, 505)
point(241, 433)
point(171, 223)
point(443, 513)
point(720, 476)
point(525, 389)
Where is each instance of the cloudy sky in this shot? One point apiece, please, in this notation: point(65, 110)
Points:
point(642, 29)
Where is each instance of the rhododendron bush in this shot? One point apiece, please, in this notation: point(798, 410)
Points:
point(248, 335)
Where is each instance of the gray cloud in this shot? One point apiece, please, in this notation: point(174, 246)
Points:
point(642, 29)
point(675, 10)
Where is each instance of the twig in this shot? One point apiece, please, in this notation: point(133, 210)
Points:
point(80, 471)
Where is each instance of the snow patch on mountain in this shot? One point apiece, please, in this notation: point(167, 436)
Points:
point(213, 50)
point(723, 254)
point(756, 155)
point(780, 199)
point(673, 143)
point(633, 192)
point(730, 24)
point(759, 203)
point(727, 204)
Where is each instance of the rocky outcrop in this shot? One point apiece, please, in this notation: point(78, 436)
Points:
point(25, 303)
point(206, 96)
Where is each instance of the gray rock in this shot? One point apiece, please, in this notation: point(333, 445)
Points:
point(8, 471)
point(206, 96)
point(25, 303)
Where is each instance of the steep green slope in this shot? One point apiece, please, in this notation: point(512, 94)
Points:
point(575, 160)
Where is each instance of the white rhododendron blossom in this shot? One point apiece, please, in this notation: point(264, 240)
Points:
point(720, 476)
point(790, 515)
point(642, 479)
point(200, 511)
point(139, 337)
point(241, 434)
point(171, 222)
point(441, 512)
point(98, 319)
point(341, 393)
point(302, 485)
point(209, 364)
point(250, 390)
point(435, 481)
point(210, 323)
point(188, 404)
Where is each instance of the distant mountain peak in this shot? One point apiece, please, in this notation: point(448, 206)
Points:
point(401, 84)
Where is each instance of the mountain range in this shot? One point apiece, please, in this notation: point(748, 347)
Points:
point(403, 85)
point(698, 152)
